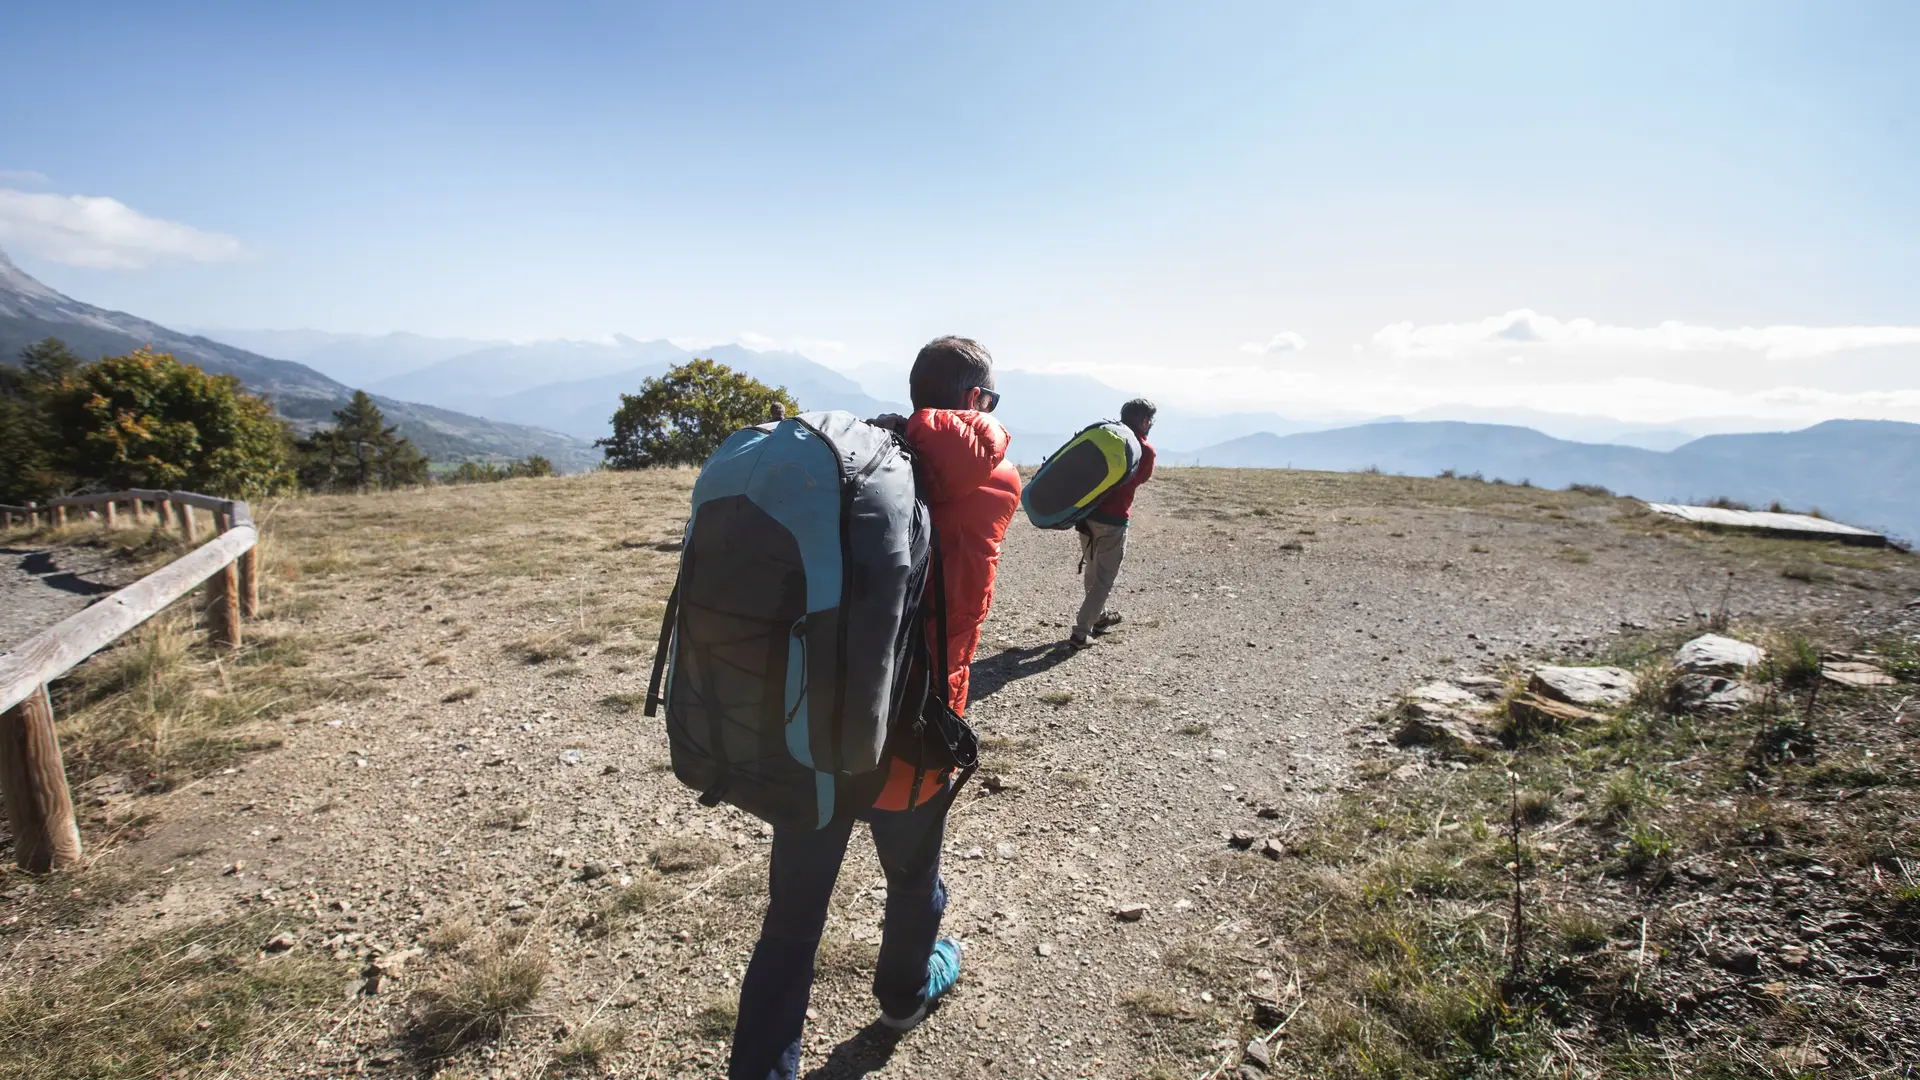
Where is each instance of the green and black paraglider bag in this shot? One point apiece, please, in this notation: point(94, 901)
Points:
point(1080, 474)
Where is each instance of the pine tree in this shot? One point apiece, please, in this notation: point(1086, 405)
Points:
point(361, 452)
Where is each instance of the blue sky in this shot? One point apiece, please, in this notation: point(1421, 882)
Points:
point(1305, 207)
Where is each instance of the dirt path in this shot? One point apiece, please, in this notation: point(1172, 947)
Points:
point(40, 585)
point(500, 772)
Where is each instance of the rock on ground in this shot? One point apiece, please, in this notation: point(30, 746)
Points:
point(1591, 687)
point(1712, 654)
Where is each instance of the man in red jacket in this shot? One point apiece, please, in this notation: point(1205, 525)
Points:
point(972, 491)
point(1103, 535)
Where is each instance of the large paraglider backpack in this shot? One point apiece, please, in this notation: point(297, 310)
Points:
point(792, 659)
point(1076, 477)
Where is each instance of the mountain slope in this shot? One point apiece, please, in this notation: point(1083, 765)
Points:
point(355, 359)
point(31, 312)
point(1864, 472)
point(504, 382)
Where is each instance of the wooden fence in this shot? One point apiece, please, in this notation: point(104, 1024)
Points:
point(33, 779)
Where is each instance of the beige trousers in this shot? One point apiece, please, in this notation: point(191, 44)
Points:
point(1101, 549)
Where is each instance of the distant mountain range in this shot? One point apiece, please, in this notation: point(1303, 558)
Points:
point(31, 312)
point(462, 398)
point(1863, 472)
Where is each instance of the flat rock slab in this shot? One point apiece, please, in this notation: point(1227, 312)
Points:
point(1444, 693)
point(1588, 687)
point(1711, 654)
point(1771, 523)
point(1855, 673)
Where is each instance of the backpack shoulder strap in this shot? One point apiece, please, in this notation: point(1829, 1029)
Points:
point(661, 650)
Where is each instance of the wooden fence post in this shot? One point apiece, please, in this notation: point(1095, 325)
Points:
point(59, 516)
point(107, 515)
point(223, 606)
point(139, 511)
point(249, 564)
point(34, 780)
point(188, 526)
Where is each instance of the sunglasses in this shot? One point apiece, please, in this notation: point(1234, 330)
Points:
point(989, 399)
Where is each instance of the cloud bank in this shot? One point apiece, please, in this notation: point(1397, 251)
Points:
point(1527, 327)
point(99, 232)
point(1284, 342)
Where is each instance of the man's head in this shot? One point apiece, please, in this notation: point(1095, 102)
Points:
point(948, 371)
point(1138, 415)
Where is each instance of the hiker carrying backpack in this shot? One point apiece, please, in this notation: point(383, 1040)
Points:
point(791, 662)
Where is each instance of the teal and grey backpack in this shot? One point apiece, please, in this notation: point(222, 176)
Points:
point(791, 654)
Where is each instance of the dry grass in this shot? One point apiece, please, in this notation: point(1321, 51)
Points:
point(487, 983)
point(683, 855)
point(199, 1002)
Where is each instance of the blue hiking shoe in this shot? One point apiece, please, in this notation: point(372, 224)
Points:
point(943, 970)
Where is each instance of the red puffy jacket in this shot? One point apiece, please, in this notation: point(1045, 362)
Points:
point(972, 491)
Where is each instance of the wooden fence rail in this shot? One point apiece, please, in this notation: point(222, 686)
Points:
point(33, 778)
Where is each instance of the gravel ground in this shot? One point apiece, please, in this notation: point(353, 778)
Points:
point(1256, 646)
point(41, 585)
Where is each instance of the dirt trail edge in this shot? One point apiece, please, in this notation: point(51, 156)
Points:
point(503, 777)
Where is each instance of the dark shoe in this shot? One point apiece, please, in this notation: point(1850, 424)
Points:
point(1107, 621)
point(1078, 642)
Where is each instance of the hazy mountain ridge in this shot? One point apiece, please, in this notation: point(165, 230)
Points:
point(31, 312)
point(1864, 472)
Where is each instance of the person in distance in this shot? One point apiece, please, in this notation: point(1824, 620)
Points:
point(1103, 535)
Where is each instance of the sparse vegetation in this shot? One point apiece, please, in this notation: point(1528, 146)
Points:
point(683, 855)
point(489, 982)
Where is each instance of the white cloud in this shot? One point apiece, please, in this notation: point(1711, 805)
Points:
point(1526, 327)
point(88, 230)
point(803, 345)
point(1284, 342)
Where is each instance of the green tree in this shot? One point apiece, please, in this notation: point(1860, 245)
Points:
point(28, 443)
point(147, 420)
point(531, 465)
point(360, 452)
point(682, 417)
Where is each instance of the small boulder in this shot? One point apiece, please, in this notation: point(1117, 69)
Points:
point(1735, 958)
point(1694, 694)
point(1130, 912)
point(1711, 654)
point(1273, 849)
point(1427, 727)
point(1590, 687)
point(1242, 840)
point(281, 942)
point(1258, 1054)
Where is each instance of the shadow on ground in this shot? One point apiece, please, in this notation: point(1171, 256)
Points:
point(992, 675)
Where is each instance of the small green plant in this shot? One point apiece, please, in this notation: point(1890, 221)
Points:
point(1057, 698)
point(1625, 792)
point(623, 703)
point(1580, 931)
point(1196, 728)
point(1645, 847)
